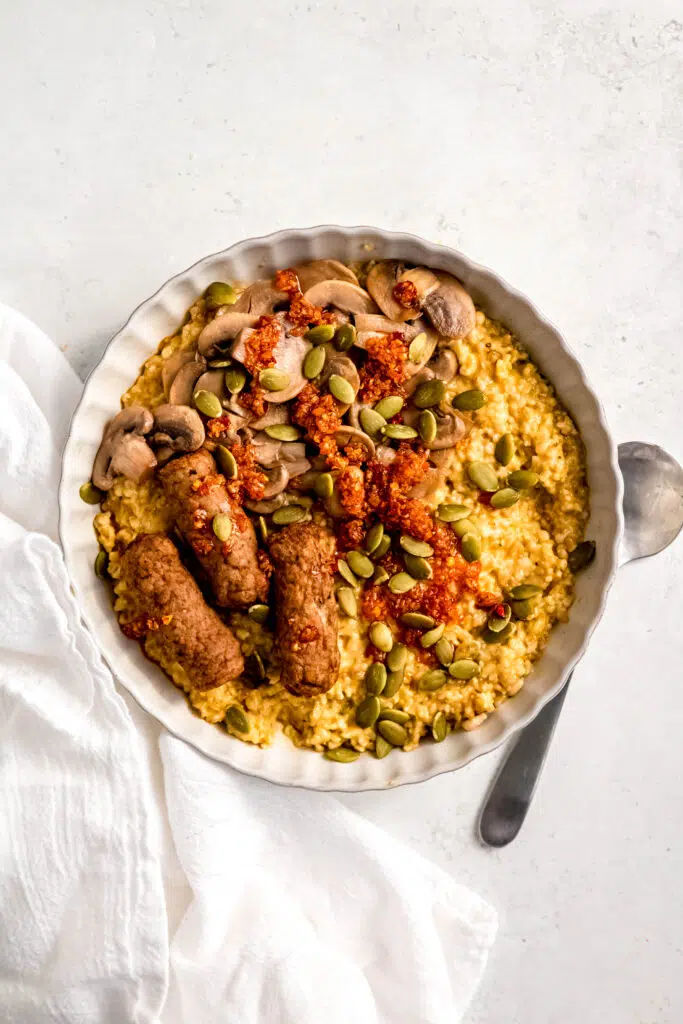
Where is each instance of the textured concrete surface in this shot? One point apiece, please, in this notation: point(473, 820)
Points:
point(542, 139)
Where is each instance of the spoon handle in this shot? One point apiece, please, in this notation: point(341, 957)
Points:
point(513, 788)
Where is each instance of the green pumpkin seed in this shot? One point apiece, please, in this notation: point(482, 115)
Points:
point(375, 678)
point(431, 637)
point(380, 636)
point(401, 583)
point(283, 432)
point(452, 513)
point(347, 602)
point(522, 609)
point(381, 548)
point(389, 407)
point(314, 362)
point(222, 363)
point(262, 528)
point(273, 379)
point(236, 719)
point(439, 727)
point(419, 568)
point(463, 526)
point(394, 715)
point(505, 498)
point(505, 449)
point(235, 379)
point(429, 393)
point(222, 526)
point(344, 570)
point(382, 748)
point(470, 547)
point(345, 337)
point(523, 479)
point(101, 563)
point(416, 620)
point(368, 711)
point(463, 668)
point(219, 294)
point(489, 637)
point(380, 576)
point(469, 401)
point(483, 476)
point(226, 461)
point(259, 613)
point(305, 500)
point(90, 494)
point(397, 657)
point(582, 556)
point(289, 514)
point(432, 680)
point(427, 426)
point(254, 669)
point(341, 389)
point(373, 538)
point(343, 755)
point(399, 432)
point(324, 485)
point(417, 349)
point(393, 733)
point(498, 622)
point(360, 564)
point(415, 547)
point(371, 422)
point(320, 334)
point(523, 591)
point(394, 683)
point(444, 651)
point(207, 403)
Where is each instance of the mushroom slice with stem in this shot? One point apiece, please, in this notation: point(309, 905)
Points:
point(380, 283)
point(123, 450)
point(223, 328)
point(213, 381)
point(177, 427)
point(348, 435)
point(444, 364)
point(259, 298)
point(450, 427)
point(341, 365)
point(266, 450)
point(289, 354)
point(348, 297)
point(173, 363)
point(182, 388)
point(292, 451)
point(315, 271)
point(273, 496)
point(450, 307)
point(423, 282)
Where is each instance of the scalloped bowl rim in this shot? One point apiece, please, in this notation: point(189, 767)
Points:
point(282, 762)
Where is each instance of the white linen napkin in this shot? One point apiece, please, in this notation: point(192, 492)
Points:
point(300, 912)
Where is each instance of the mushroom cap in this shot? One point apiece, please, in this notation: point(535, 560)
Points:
point(345, 295)
point(133, 458)
point(259, 298)
point(342, 365)
point(424, 280)
point(178, 427)
point(315, 271)
point(444, 364)
point(450, 307)
point(183, 385)
point(213, 381)
point(223, 328)
point(123, 450)
point(380, 283)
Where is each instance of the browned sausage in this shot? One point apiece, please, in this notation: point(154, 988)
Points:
point(306, 624)
point(196, 493)
point(168, 604)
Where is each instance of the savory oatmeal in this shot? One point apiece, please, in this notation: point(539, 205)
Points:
point(344, 503)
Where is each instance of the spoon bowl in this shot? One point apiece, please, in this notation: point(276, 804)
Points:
point(653, 499)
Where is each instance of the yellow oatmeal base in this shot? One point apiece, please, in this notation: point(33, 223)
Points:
point(528, 542)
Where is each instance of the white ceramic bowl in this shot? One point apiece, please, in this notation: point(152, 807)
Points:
point(158, 317)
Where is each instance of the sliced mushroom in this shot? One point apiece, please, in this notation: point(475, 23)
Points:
point(380, 283)
point(292, 451)
point(266, 505)
point(420, 377)
point(177, 427)
point(348, 297)
point(213, 381)
point(278, 478)
point(423, 280)
point(415, 367)
point(348, 435)
point(444, 364)
point(274, 414)
point(385, 454)
point(298, 468)
point(315, 271)
point(289, 354)
point(124, 450)
point(450, 428)
point(450, 307)
point(266, 450)
point(183, 387)
point(223, 328)
point(259, 298)
point(378, 324)
point(173, 364)
point(341, 365)
point(164, 454)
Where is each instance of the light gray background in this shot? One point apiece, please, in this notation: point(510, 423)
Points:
point(543, 140)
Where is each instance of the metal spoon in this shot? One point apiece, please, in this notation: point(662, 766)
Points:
point(653, 518)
